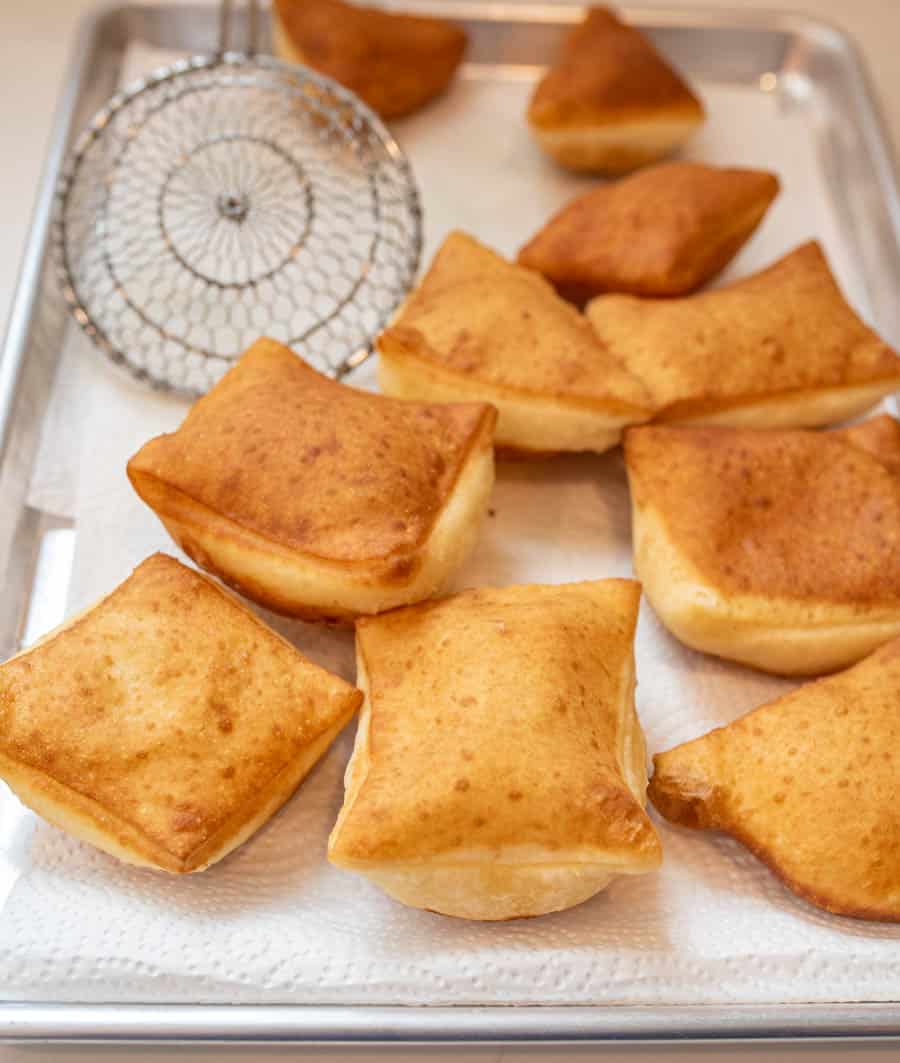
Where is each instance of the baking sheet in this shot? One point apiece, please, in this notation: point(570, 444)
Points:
point(274, 922)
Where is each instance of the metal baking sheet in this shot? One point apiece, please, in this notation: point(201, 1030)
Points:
point(819, 72)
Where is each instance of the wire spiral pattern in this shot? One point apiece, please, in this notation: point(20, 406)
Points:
point(230, 197)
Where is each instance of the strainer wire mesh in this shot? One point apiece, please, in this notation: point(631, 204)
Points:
point(227, 197)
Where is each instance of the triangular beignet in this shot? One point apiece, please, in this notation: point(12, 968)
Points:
point(166, 723)
point(780, 349)
point(316, 499)
point(499, 767)
point(479, 327)
point(611, 103)
point(664, 231)
point(779, 549)
point(395, 62)
point(810, 783)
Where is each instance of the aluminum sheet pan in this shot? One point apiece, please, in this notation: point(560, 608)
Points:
point(818, 68)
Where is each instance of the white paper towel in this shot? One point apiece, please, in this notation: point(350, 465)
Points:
point(274, 922)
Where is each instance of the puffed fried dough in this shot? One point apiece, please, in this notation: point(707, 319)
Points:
point(315, 499)
point(779, 349)
point(810, 783)
point(479, 327)
point(778, 549)
point(395, 62)
point(611, 103)
point(499, 768)
point(664, 231)
point(167, 723)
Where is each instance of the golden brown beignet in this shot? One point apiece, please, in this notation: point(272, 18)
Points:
point(315, 499)
point(780, 349)
point(778, 549)
point(810, 783)
point(167, 723)
point(479, 327)
point(396, 63)
point(664, 231)
point(499, 768)
point(611, 103)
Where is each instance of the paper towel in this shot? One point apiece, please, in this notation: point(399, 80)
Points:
point(274, 922)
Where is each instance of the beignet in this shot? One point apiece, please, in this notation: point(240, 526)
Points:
point(810, 783)
point(479, 327)
point(664, 231)
point(315, 499)
point(611, 103)
point(166, 723)
point(396, 63)
point(778, 549)
point(780, 349)
point(499, 768)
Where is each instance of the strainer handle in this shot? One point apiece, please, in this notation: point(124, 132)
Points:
point(226, 26)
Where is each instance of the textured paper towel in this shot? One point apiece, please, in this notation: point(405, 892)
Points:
point(274, 922)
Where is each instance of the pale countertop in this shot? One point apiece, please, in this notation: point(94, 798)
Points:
point(36, 37)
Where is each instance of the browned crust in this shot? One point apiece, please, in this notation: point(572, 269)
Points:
point(167, 501)
point(764, 512)
point(694, 813)
point(128, 834)
point(785, 331)
point(808, 783)
point(479, 318)
point(662, 232)
point(508, 453)
point(31, 752)
point(119, 828)
point(163, 460)
point(401, 341)
point(177, 512)
point(609, 72)
point(395, 62)
point(474, 788)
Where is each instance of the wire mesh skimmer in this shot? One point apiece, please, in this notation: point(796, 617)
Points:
point(232, 196)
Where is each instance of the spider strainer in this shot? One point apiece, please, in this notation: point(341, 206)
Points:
point(228, 197)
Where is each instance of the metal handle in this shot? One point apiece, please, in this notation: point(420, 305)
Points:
point(226, 26)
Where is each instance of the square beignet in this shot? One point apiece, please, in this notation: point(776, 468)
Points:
point(810, 783)
point(778, 549)
point(611, 103)
point(167, 723)
point(479, 327)
point(779, 349)
point(315, 499)
point(499, 768)
point(664, 231)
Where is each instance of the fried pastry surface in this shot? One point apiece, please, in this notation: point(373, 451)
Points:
point(779, 549)
point(664, 231)
point(779, 349)
point(166, 723)
point(810, 783)
point(499, 767)
point(317, 499)
point(479, 327)
point(611, 103)
point(395, 62)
